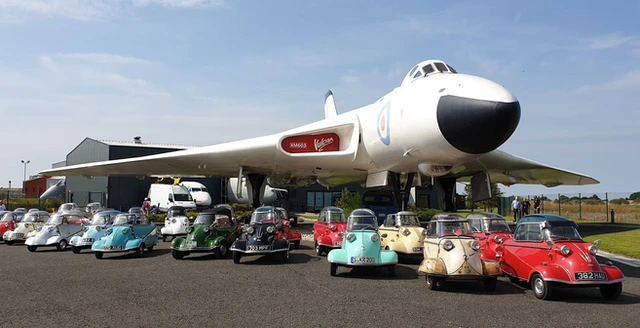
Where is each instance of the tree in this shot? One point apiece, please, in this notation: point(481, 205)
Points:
point(635, 195)
point(348, 201)
point(619, 201)
point(488, 204)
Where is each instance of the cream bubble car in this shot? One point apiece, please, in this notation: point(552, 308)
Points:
point(57, 232)
point(451, 253)
point(30, 222)
point(402, 234)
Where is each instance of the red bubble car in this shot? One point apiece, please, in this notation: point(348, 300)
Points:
point(491, 230)
point(548, 252)
point(328, 231)
point(293, 237)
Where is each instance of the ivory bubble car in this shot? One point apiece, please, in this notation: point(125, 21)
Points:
point(548, 252)
point(265, 234)
point(490, 229)
point(9, 221)
point(94, 230)
point(451, 253)
point(176, 223)
point(129, 232)
point(402, 234)
point(57, 231)
point(328, 230)
point(361, 246)
point(31, 222)
point(213, 231)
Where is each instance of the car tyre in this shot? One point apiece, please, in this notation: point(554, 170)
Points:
point(98, 255)
point(164, 238)
point(541, 289)
point(296, 244)
point(432, 282)
point(490, 284)
point(8, 242)
point(140, 251)
point(392, 270)
point(177, 255)
point(236, 257)
point(612, 291)
point(334, 269)
point(75, 249)
point(221, 252)
point(32, 248)
point(318, 249)
point(149, 249)
point(285, 256)
point(62, 245)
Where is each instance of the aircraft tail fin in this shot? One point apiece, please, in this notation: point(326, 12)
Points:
point(329, 105)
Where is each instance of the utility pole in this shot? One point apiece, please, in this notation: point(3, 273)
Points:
point(24, 177)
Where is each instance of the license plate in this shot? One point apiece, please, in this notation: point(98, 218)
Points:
point(87, 240)
point(18, 235)
point(338, 244)
point(192, 244)
point(116, 248)
point(591, 275)
point(258, 247)
point(417, 249)
point(362, 259)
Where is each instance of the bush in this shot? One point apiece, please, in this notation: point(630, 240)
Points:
point(619, 201)
point(348, 201)
point(425, 214)
point(49, 205)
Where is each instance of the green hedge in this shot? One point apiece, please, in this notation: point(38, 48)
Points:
point(50, 205)
point(425, 214)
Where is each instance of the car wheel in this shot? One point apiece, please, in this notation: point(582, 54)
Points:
point(285, 256)
point(236, 257)
point(541, 288)
point(392, 270)
point(334, 269)
point(490, 284)
point(221, 252)
point(140, 251)
point(32, 248)
point(177, 255)
point(62, 245)
point(149, 249)
point(432, 282)
point(8, 242)
point(318, 249)
point(611, 292)
point(76, 250)
point(296, 244)
point(164, 238)
point(98, 255)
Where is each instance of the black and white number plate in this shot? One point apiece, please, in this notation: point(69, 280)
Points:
point(87, 240)
point(258, 247)
point(591, 275)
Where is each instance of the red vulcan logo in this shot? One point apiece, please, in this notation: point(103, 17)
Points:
point(311, 143)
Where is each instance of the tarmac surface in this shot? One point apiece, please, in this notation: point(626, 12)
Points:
point(61, 289)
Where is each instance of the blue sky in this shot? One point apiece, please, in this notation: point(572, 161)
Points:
point(201, 72)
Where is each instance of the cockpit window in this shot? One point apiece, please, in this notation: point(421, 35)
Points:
point(413, 70)
point(419, 74)
point(441, 67)
point(428, 69)
point(451, 69)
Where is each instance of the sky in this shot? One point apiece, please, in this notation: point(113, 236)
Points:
point(200, 72)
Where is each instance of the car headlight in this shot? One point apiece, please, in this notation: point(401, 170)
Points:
point(333, 227)
point(109, 231)
point(351, 237)
point(124, 231)
point(375, 238)
point(406, 232)
point(448, 245)
point(205, 229)
point(593, 249)
point(424, 232)
point(498, 239)
point(271, 229)
point(98, 228)
point(250, 230)
point(189, 229)
point(340, 234)
point(475, 245)
point(565, 250)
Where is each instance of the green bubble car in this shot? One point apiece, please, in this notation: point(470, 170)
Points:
point(213, 231)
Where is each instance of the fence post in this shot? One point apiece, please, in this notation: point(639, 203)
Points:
point(580, 205)
point(606, 199)
point(559, 201)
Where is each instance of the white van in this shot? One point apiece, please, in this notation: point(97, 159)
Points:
point(165, 195)
point(199, 193)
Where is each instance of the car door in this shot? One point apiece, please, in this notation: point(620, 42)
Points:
point(320, 226)
point(522, 253)
point(388, 231)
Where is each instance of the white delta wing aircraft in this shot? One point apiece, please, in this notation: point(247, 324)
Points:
point(437, 127)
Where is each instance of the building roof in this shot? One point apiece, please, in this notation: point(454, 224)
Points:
point(143, 144)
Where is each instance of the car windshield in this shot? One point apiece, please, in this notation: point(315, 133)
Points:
point(337, 217)
point(123, 219)
point(453, 228)
point(195, 189)
point(8, 217)
point(30, 217)
point(407, 220)
point(496, 225)
point(263, 217)
point(173, 212)
point(66, 207)
point(562, 232)
point(99, 219)
point(55, 220)
point(204, 218)
point(362, 222)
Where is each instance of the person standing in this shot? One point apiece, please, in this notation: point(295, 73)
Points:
point(2, 206)
point(146, 205)
point(515, 206)
point(536, 204)
point(525, 206)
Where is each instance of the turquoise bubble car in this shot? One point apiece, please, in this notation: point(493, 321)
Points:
point(361, 246)
point(129, 232)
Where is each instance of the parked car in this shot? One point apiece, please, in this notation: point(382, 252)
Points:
point(175, 223)
point(402, 234)
point(490, 229)
point(33, 210)
point(362, 245)
point(129, 232)
point(294, 237)
point(451, 253)
point(92, 208)
point(548, 252)
point(9, 221)
point(94, 230)
point(213, 231)
point(30, 222)
point(137, 210)
point(265, 234)
point(329, 229)
point(68, 207)
point(57, 231)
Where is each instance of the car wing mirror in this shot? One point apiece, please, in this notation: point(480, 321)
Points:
point(549, 242)
point(596, 243)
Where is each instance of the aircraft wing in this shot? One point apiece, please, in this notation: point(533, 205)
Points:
point(509, 169)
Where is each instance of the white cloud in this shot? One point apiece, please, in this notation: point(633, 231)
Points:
point(350, 78)
point(629, 80)
point(608, 41)
point(103, 58)
point(181, 3)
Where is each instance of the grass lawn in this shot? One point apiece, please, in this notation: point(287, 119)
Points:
point(622, 243)
point(310, 216)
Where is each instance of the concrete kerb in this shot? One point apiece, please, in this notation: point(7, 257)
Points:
point(619, 258)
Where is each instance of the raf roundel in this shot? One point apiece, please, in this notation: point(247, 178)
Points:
point(383, 124)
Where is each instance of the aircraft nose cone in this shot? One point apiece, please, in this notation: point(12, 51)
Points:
point(476, 126)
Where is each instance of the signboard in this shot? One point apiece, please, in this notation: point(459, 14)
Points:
point(312, 143)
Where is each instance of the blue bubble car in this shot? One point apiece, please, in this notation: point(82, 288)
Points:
point(129, 232)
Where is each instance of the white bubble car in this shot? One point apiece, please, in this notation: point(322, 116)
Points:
point(30, 222)
point(176, 223)
point(57, 232)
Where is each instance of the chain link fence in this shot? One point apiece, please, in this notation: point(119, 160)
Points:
point(598, 207)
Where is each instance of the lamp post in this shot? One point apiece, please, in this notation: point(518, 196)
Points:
point(8, 194)
point(24, 177)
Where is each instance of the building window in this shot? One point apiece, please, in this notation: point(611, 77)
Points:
point(317, 200)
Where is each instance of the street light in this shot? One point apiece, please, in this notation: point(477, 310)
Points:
point(24, 178)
